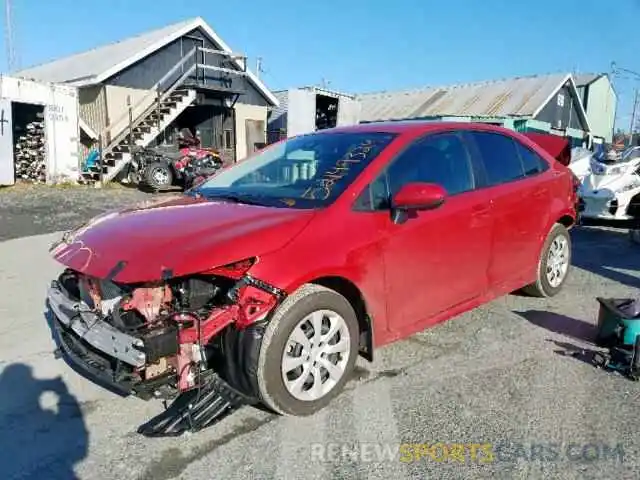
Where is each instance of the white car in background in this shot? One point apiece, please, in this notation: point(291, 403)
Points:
point(580, 163)
point(611, 191)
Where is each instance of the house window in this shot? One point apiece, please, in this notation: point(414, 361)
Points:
point(560, 100)
point(227, 139)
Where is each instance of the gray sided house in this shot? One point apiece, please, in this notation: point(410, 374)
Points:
point(541, 103)
point(600, 102)
point(143, 89)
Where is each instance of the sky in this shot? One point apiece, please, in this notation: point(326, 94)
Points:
point(362, 46)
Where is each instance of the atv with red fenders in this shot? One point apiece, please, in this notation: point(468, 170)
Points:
point(264, 283)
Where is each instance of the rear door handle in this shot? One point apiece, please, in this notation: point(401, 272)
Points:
point(483, 209)
point(540, 192)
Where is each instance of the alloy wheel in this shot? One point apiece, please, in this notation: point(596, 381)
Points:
point(316, 355)
point(557, 261)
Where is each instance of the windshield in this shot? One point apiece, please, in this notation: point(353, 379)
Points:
point(631, 154)
point(308, 171)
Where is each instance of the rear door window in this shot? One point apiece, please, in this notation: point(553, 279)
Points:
point(499, 156)
point(531, 161)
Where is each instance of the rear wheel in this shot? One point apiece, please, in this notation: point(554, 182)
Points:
point(308, 351)
point(553, 265)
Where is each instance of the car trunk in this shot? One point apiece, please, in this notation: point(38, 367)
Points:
point(558, 147)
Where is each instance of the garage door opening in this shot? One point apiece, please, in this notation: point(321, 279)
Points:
point(29, 142)
point(326, 112)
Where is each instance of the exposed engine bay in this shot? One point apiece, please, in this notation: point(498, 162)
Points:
point(167, 339)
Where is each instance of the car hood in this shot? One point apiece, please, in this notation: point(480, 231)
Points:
point(176, 237)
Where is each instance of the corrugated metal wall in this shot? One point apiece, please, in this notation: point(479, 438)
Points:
point(601, 108)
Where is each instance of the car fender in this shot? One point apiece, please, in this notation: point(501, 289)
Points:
point(288, 279)
point(559, 210)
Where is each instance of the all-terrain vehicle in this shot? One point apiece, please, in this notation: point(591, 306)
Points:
point(182, 164)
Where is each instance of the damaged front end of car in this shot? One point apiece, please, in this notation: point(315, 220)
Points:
point(193, 341)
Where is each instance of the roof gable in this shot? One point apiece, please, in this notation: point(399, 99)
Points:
point(570, 83)
point(96, 65)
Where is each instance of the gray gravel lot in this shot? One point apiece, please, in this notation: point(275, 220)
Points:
point(37, 209)
point(488, 376)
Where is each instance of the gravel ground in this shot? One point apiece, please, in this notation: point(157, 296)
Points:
point(37, 209)
point(491, 376)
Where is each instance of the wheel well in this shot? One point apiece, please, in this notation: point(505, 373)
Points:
point(567, 221)
point(353, 295)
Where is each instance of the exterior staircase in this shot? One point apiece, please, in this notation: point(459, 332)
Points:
point(116, 155)
point(167, 99)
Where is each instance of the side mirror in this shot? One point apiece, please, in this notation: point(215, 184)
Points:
point(419, 196)
point(416, 196)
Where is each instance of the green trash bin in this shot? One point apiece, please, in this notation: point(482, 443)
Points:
point(618, 322)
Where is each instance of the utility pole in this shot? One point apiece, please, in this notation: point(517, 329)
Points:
point(614, 70)
point(8, 29)
point(258, 67)
point(633, 117)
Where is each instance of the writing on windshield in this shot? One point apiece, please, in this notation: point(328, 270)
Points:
point(321, 190)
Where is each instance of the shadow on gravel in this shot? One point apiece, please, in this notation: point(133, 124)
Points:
point(556, 323)
point(39, 437)
point(602, 251)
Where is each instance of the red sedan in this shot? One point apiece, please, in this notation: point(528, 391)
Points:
point(276, 273)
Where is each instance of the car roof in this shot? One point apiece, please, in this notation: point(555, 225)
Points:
point(416, 127)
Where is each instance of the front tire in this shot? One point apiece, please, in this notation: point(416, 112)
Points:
point(158, 176)
point(308, 351)
point(553, 265)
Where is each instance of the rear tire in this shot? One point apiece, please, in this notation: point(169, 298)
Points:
point(281, 349)
point(553, 265)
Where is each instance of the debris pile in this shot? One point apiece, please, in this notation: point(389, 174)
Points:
point(30, 152)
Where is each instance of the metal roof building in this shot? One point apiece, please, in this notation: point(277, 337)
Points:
point(546, 103)
point(100, 64)
point(144, 88)
point(600, 102)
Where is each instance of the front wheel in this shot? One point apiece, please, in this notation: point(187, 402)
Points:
point(158, 176)
point(553, 264)
point(308, 351)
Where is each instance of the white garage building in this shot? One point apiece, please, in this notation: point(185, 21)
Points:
point(38, 131)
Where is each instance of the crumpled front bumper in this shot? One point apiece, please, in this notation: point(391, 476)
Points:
point(88, 326)
point(96, 349)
